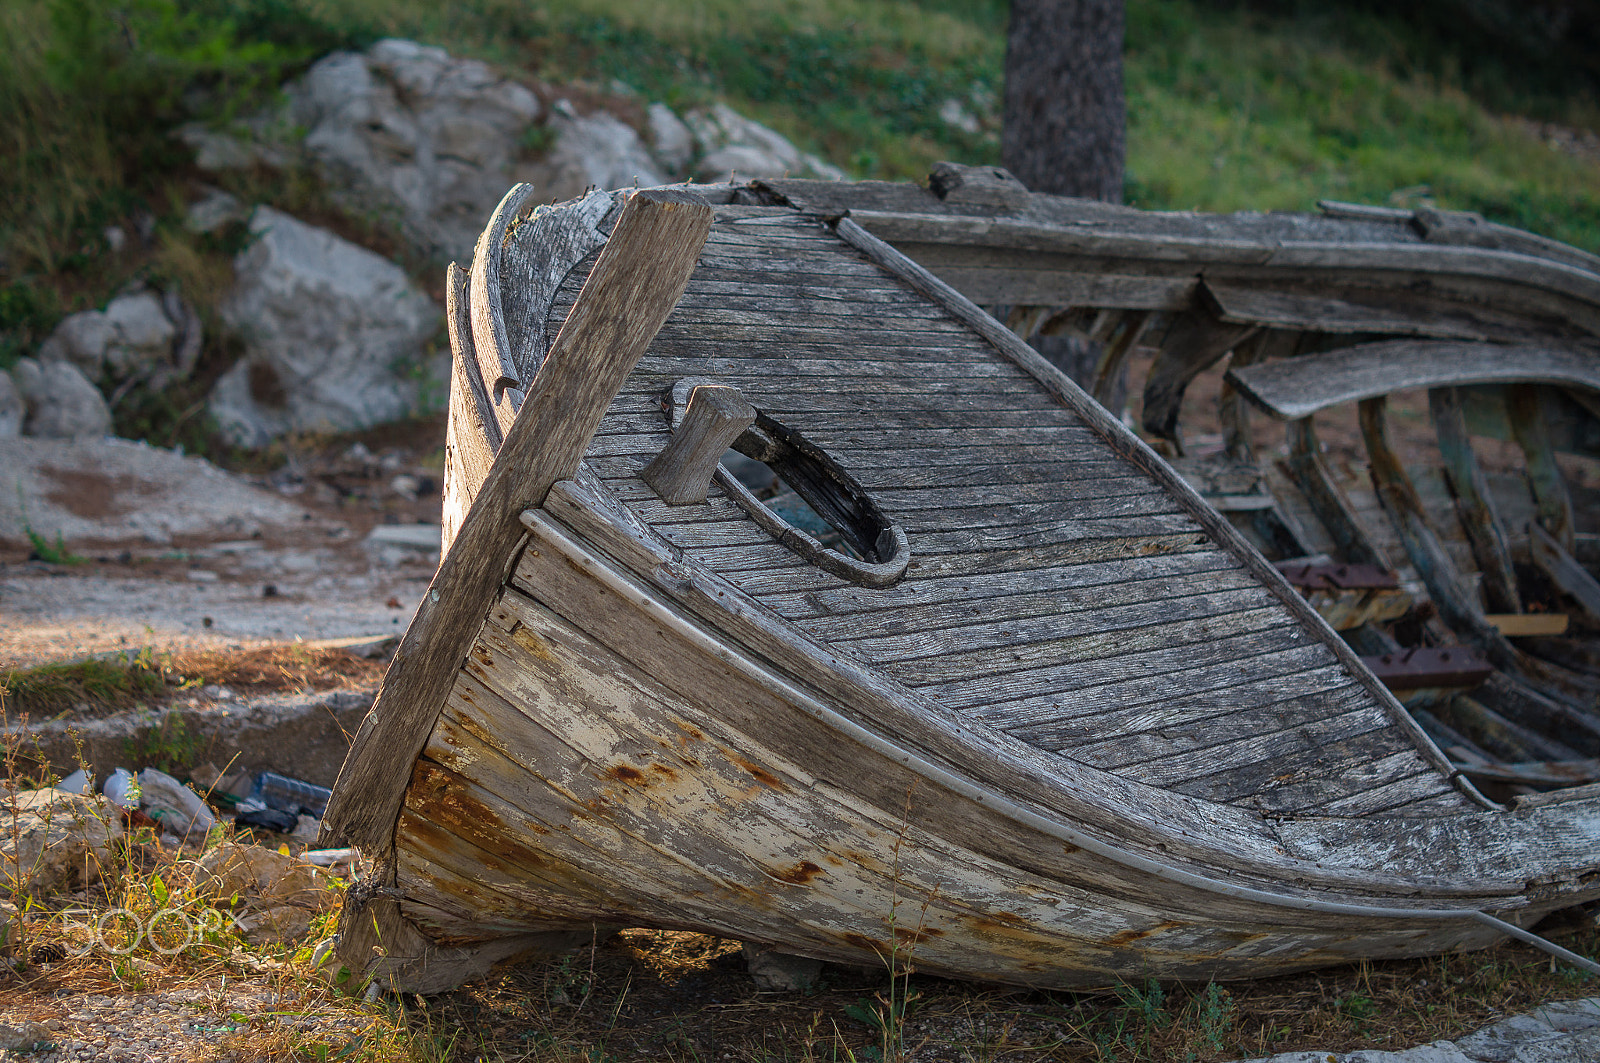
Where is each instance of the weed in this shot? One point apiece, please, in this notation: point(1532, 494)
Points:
point(1214, 1017)
point(169, 746)
point(54, 553)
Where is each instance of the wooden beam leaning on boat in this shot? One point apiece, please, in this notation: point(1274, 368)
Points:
point(637, 281)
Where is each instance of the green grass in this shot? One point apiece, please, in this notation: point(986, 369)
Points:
point(1228, 108)
point(50, 689)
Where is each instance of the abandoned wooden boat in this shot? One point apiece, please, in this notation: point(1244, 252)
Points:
point(986, 686)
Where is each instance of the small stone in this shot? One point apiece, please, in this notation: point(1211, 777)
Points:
point(214, 211)
point(781, 971)
point(116, 239)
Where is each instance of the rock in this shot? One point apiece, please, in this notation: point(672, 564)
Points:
point(56, 842)
point(263, 879)
point(389, 545)
point(953, 113)
point(61, 402)
point(733, 144)
point(12, 409)
point(671, 140)
point(781, 971)
point(591, 151)
point(140, 335)
point(114, 490)
point(413, 128)
point(143, 335)
point(328, 328)
point(215, 151)
point(23, 1037)
point(81, 339)
point(215, 210)
point(275, 926)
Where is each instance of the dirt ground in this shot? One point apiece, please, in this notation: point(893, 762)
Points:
point(170, 555)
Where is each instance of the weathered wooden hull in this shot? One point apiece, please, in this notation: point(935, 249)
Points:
point(1086, 733)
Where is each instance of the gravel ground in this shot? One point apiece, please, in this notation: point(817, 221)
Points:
point(1555, 1033)
point(182, 1024)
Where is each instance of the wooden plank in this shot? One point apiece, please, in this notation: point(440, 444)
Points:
point(1298, 387)
point(630, 293)
point(1256, 305)
point(1108, 382)
point(1518, 700)
point(1012, 633)
point(930, 596)
point(1251, 785)
point(1059, 286)
point(716, 357)
point(1070, 727)
point(1457, 606)
point(534, 262)
point(1327, 501)
point(838, 412)
point(1503, 738)
point(1531, 410)
point(1565, 572)
point(1424, 793)
point(1165, 657)
point(887, 450)
point(1296, 752)
point(744, 566)
point(1174, 737)
point(472, 432)
point(1474, 504)
point(1038, 703)
point(489, 338)
point(1521, 625)
point(1193, 343)
point(895, 617)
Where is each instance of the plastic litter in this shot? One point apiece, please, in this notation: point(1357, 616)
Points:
point(329, 857)
point(173, 804)
point(291, 795)
point(122, 790)
point(253, 813)
point(77, 783)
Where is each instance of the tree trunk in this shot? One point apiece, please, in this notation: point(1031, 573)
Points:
point(1064, 110)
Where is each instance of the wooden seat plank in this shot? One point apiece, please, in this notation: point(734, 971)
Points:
point(1298, 387)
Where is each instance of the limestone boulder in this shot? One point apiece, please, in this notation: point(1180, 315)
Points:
point(735, 147)
point(145, 336)
point(411, 129)
point(55, 841)
point(12, 409)
point(60, 401)
point(336, 337)
point(590, 151)
point(670, 139)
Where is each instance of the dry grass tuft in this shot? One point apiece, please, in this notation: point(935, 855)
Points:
point(104, 685)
